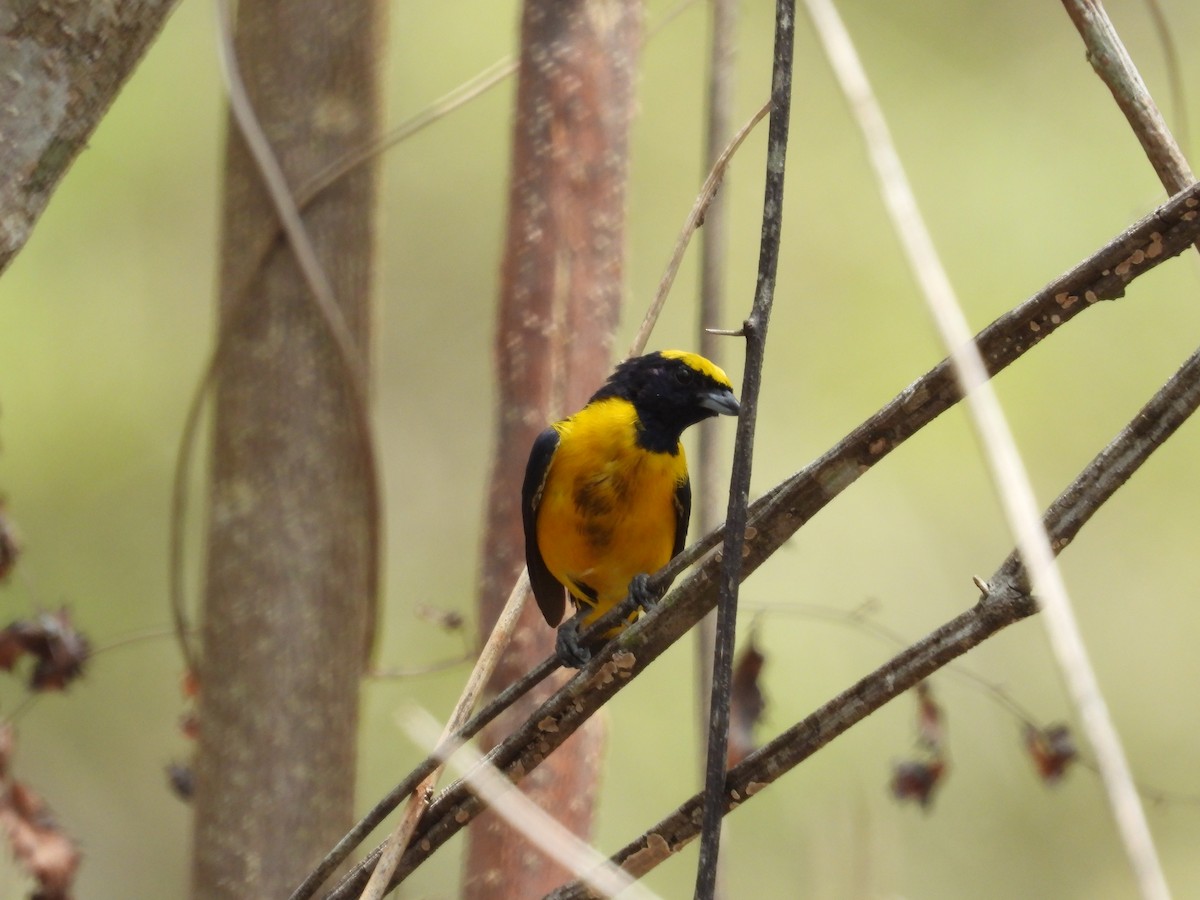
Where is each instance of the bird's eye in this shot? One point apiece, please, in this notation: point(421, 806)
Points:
point(683, 376)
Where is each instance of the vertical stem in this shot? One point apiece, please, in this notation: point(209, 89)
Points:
point(755, 330)
point(714, 242)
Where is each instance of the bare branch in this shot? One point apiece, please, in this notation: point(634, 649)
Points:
point(777, 515)
point(497, 643)
point(999, 450)
point(1113, 64)
point(1006, 601)
point(755, 328)
point(522, 814)
point(708, 191)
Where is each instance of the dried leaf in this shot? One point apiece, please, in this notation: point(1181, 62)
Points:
point(12, 646)
point(1052, 749)
point(746, 703)
point(37, 843)
point(59, 650)
point(916, 779)
point(61, 653)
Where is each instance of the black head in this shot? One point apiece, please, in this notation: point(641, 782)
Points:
point(671, 390)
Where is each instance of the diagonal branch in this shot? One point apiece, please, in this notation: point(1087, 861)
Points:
point(1114, 65)
point(1006, 601)
point(778, 514)
point(999, 451)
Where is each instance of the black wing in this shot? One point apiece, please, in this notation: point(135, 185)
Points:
point(683, 512)
point(547, 590)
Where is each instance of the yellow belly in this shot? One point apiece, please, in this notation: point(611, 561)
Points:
point(608, 508)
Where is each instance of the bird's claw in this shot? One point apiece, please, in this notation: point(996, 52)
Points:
point(641, 594)
point(568, 648)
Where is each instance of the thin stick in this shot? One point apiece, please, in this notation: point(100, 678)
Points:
point(521, 813)
point(1005, 602)
point(755, 329)
point(714, 244)
point(695, 217)
point(496, 643)
point(476, 86)
point(1174, 77)
point(1000, 451)
point(778, 514)
point(1113, 64)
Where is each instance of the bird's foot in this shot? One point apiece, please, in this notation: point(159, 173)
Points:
point(641, 594)
point(569, 648)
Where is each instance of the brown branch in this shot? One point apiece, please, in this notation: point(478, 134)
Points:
point(1007, 600)
point(755, 331)
point(61, 65)
point(777, 515)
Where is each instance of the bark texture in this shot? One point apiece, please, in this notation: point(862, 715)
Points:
point(61, 65)
point(560, 300)
point(290, 572)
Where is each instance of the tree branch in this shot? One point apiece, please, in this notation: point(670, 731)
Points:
point(778, 514)
point(1114, 65)
point(755, 332)
point(1006, 601)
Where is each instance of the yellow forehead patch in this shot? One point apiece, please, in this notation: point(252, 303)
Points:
point(700, 364)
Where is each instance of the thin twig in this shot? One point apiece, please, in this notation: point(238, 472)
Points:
point(714, 244)
point(1006, 601)
point(707, 191)
point(496, 644)
point(476, 86)
point(1000, 452)
point(1113, 64)
point(521, 813)
point(857, 619)
point(777, 516)
point(1179, 111)
point(394, 672)
point(393, 798)
point(755, 328)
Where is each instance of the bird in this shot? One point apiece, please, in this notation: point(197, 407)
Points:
point(606, 497)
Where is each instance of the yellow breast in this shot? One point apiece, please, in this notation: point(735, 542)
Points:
point(608, 508)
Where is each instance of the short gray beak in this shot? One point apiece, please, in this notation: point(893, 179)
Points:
point(721, 401)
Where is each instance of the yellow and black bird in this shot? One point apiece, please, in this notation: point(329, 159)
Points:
point(606, 497)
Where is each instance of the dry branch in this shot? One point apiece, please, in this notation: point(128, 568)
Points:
point(1006, 601)
point(777, 515)
point(755, 332)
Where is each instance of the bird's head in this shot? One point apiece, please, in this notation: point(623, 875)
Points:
point(670, 389)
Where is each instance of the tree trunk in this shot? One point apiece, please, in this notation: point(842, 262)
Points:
point(292, 534)
point(560, 299)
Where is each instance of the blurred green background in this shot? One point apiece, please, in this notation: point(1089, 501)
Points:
point(1022, 165)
